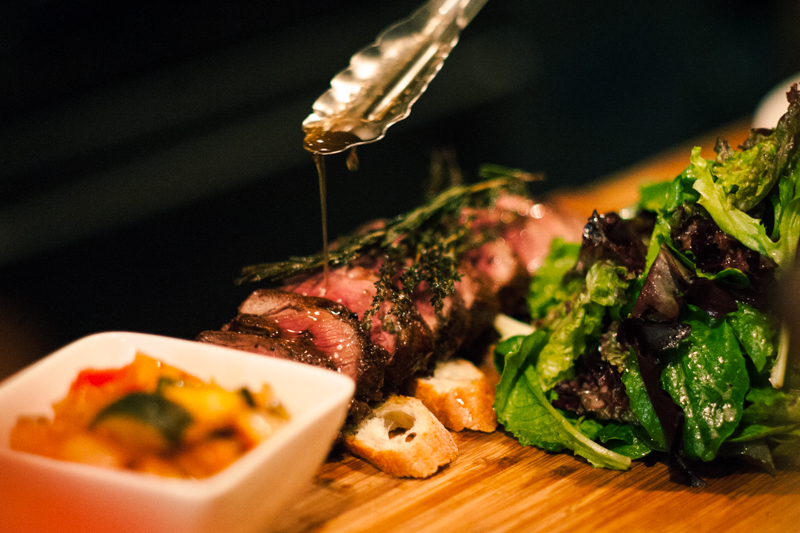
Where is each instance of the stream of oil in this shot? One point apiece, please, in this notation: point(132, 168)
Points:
point(319, 161)
point(320, 143)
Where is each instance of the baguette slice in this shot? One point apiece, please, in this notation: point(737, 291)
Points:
point(402, 438)
point(459, 395)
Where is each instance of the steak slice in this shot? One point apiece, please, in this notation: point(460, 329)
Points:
point(317, 326)
point(404, 335)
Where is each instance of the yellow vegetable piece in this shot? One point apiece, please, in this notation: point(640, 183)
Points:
point(92, 450)
point(134, 434)
point(34, 435)
point(211, 407)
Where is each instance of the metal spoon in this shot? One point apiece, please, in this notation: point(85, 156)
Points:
point(385, 79)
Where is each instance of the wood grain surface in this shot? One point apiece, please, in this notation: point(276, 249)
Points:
point(499, 486)
point(621, 189)
point(496, 485)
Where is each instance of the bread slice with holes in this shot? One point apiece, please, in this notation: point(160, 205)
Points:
point(402, 438)
point(459, 395)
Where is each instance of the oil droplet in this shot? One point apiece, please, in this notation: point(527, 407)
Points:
point(352, 160)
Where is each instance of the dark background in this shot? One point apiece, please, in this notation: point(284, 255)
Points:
point(149, 150)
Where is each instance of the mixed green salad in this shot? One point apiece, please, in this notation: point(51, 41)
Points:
point(656, 336)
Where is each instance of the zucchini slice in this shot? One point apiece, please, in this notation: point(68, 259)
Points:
point(144, 419)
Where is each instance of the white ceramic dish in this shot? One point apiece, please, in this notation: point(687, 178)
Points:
point(38, 494)
point(774, 104)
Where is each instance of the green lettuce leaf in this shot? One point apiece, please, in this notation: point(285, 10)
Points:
point(772, 414)
point(748, 230)
point(653, 196)
point(707, 377)
point(510, 345)
point(547, 289)
point(768, 404)
point(786, 447)
point(605, 287)
point(640, 402)
point(738, 181)
point(750, 432)
point(524, 409)
point(757, 333)
point(665, 197)
point(746, 177)
point(624, 440)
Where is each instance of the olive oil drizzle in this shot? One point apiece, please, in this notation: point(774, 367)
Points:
point(352, 160)
point(319, 161)
point(321, 143)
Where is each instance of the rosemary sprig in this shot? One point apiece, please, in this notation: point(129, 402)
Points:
point(430, 234)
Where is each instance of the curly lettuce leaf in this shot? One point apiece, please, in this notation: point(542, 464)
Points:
point(735, 222)
point(605, 287)
point(524, 409)
point(738, 182)
point(746, 177)
point(547, 288)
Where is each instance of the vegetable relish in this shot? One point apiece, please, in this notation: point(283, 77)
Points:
point(154, 418)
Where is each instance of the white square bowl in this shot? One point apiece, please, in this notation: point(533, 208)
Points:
point(39, 494)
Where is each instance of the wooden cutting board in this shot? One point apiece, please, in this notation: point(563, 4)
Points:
point(496, 485)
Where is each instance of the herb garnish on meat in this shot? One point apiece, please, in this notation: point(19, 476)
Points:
point(674, 306)
point(422, 246)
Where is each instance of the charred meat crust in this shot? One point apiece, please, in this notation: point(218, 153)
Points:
point(265, 345)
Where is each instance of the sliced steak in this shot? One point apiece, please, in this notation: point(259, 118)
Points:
point(520, 231)
point(449, 330)
point(320, 322)
point(404, 335)
point(318, 325)
point(350, 286)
